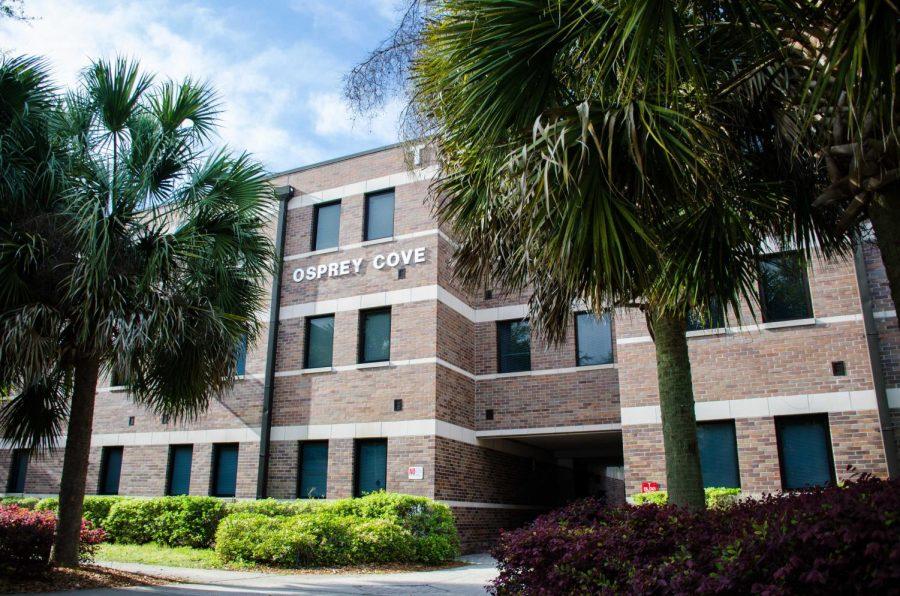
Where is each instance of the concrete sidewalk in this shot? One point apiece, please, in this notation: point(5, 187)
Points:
point(469, 579)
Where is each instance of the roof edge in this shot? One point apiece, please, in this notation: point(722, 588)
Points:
point(335, 160)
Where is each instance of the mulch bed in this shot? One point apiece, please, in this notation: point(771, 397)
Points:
point(84, 577)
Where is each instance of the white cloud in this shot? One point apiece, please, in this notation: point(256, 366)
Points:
point(276, 93)
point(333, 117)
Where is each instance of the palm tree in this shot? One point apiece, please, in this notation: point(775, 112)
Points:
point(614, 154)
point(149, 256)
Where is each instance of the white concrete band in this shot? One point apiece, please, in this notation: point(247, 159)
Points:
point(759, 407)
point(549, 430)
point(355, 245)
point(445, 364)
point(893, 397)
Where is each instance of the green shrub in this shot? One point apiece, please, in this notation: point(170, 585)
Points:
point(716, 497)
point(96, 508)
point(377, 528)
point(23, 502)
point(272, 507)
point(133, 521)
point(171, 521)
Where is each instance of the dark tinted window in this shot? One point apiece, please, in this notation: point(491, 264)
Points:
point(180, 459)
point(241, 357)
point(513, 346)
point(718, 454)
point(784, 287)
point(224, 477)
point(804, 451)
point(110, 470)
point(714, 319)
point(18, 469)
point(379, 215)
point(375, 335)
point(594, 339)
point(319, 341)
point(371, 466)
point(313, 470)
point(327, 225)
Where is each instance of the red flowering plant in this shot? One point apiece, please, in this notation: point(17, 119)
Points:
point(833, 540)
point(26, 537)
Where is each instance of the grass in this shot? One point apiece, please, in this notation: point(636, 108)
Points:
point(206, 558)
point(154, 554)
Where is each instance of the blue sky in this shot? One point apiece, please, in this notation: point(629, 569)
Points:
point(278, 65)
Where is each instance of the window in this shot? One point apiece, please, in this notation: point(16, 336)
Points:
point(379, 215)
point(319, 341)
point(804, 451)
point(118, 378)
point(178, 481)
point(784, 288)
point(718, 454)
point(110, 470)
point(714, 319)
point(18, 469)
point(224, 475)
point(241, 357)
point(593, 339)
point(326, 225)
point(375, 335)
point(313, 467)
point(371, 466)
point(513, 346)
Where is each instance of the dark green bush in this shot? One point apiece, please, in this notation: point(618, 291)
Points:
point(716, 497)
point(172, 521)
point(23, 502)
point(377, 528)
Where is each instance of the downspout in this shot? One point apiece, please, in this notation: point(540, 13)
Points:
point(284, 194)
point(872, 341)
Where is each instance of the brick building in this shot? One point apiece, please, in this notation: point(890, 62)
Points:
point(388, 375)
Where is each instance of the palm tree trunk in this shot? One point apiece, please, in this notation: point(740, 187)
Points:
point(884, 212)
point(676, 401)
point(75, 464)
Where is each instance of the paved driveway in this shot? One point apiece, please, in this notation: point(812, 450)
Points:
point(470, 579)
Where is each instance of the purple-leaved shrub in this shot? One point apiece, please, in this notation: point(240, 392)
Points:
point(826, 541)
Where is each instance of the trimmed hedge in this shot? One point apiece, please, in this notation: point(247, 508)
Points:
point(26, 537)
point(23, 502)
point(377, 528)
point(716, 497)
point(824, 541)
point(96, 508)
point(170, 521)
point(272, 507)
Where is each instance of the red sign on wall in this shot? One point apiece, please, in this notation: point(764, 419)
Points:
point(649, 487)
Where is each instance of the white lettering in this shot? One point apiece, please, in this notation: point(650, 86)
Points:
point(354, 266)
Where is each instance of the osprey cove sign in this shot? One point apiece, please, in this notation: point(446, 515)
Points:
point(397, 258)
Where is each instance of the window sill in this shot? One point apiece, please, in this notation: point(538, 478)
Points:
point(117, 389)
point(317, 370)
point(322, 251)
point(792, 323)
point(382, 364)
point(707, 332)
point(384, 240)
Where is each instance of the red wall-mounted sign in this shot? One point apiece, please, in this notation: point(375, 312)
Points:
point(649, 487)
